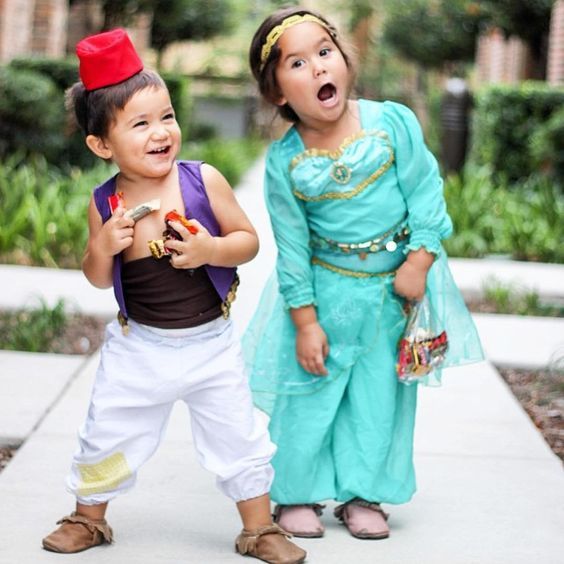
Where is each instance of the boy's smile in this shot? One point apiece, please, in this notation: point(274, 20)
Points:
point(144, 138)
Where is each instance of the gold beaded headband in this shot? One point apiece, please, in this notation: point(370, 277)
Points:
point(277, 31)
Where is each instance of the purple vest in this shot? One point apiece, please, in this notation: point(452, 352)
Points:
point(193, 192)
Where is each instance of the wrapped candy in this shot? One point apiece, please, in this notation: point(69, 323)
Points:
point(158, 247)
point(140, 211)
point(115, 200)
point(422, 348)
point(136, 213)
point(175, 216)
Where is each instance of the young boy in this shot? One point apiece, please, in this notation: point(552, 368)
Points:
point(175, 340)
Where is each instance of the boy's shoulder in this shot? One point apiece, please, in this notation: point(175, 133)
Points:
point(101, 194)
point(190, 165)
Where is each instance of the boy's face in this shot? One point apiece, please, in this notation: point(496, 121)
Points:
point(145, 138)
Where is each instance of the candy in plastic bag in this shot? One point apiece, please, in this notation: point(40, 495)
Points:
point(422, 347)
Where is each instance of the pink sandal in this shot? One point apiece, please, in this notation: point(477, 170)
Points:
point(300, 520)
point(363, 519)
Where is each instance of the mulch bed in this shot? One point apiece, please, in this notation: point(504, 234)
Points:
point(82, 335)
point(541, 394)
point(6, 454)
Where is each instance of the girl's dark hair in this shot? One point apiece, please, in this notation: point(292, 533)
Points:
point(95, 110)
point(266, 76)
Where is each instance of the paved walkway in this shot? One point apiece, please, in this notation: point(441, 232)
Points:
point(490, 489)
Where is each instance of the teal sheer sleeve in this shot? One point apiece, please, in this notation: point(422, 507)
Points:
point(419, 180)
point(291, 232)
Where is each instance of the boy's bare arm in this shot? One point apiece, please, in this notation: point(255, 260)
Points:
point(237, 242)
point(104, 242)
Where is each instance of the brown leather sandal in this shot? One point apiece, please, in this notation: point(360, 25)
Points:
point(363, 524)
point(271, 544)
point(78, 533)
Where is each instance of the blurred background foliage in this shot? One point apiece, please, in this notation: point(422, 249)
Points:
point(508, 199)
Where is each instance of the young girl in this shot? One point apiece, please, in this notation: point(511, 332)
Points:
point(175, 340)
point(356, 205)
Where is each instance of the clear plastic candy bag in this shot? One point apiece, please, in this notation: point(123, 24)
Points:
point(423, 345)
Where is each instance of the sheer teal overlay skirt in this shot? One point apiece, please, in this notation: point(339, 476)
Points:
point(353, 312)
point(349, 434)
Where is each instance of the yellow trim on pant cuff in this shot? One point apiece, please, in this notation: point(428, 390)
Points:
point(103, 476)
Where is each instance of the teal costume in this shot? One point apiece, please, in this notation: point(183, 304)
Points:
point(344, 221)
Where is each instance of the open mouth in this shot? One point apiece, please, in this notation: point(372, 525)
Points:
point(160, 151)
point(327, 92)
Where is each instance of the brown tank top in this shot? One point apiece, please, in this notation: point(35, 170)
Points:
point(159, 295)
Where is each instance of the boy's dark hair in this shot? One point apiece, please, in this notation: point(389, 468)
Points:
point(265, 75)
point(95, 110)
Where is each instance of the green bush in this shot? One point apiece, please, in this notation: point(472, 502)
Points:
point(31, 113)
point(63, 72)
point(533, 221)
point(505, 123)
point(525, 222)
point(43, 217)
point(475, 207)
point(547, 146)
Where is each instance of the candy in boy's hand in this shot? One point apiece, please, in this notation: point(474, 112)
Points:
point(158, 246)
point(136, 213)
point(175, 216)
point(142, 210)
point(115, 200)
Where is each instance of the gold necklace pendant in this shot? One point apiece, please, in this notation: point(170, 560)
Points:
point(341, 173)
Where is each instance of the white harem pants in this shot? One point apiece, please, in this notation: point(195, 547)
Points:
point(139, 378)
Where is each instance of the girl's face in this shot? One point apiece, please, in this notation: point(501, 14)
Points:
point(145, 138)
point(312, 74)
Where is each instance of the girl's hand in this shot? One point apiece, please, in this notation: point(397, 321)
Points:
point(411, 276)
point(194, 250)
point(312, 348)
point(116, 234)
point(410, 282)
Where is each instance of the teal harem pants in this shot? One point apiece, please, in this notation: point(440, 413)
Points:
point(352, 434)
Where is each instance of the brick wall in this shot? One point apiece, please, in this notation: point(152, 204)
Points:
point(49, 28)
point(32, 27)
point(501, 59)
point(16, 23)
point(555, 70)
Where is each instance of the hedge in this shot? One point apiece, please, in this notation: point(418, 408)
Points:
point(517, 130)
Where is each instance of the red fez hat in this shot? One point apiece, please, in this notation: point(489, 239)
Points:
point(107, 58)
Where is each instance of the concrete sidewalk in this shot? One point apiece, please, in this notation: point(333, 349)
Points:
point(490, 489)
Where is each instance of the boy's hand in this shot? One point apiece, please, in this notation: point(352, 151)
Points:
point(195, 249)
point(312, 348)
point(116, 234)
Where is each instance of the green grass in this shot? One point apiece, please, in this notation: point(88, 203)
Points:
point(504, 298)
point(32, 330)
